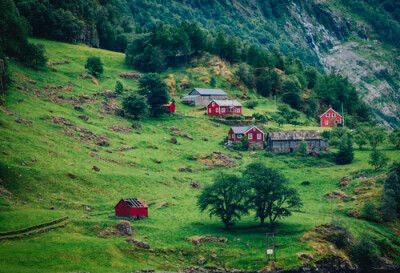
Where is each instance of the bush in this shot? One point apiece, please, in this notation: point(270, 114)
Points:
point(342, 237)
point(233, 117)
point(303, 148)
point(306, 183)
point(251, 104)
point(370, 212)
point(119, 88)
point(94, 65)
point(259, 117)
point(365, 252)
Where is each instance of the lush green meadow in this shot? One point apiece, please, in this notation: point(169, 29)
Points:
point(36, 164)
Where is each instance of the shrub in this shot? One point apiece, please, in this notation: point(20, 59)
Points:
point(306, 183)
point(342, 237)
point(259, 117)
point(378, 160)
point(119, 88)
point(369, 211)
point(94, 65)
point(251, 104)
point(365, 252)
point(233, 117)
point(303, 148)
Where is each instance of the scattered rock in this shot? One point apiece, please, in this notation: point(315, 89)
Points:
point(24, 121)
point(139, 243)
point(345, 181)
point(185, 169)
point(238, 157)
point(86, 76)
point(123, 227)
point(131, 75)
point(8, 112)
point(253, 154)
point(196, 185)
point(84, 117)
point(57, 63)
point(353, 212)
point(214, 257)
point(173, 140)
point(52, 208)
point(111, 108)
point(136, 126)
point(337, 195)
point(95, 168)
point(189, 137)
point(123, 129)
point(72, 176)
point(202, 260)
point(78, 108)
point(217, 159)
point(305, 256)
point(158, 161)
point(198, 240)
point(361, 190)
point(108, 94)
point(32, 81)
point(103, 141)
point(164, 204)
point(87, 208)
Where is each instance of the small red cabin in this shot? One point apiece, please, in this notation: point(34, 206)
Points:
point(254, 135)
point(131, 207)
point(224, 107)
point(330, 118)
point(169, 107)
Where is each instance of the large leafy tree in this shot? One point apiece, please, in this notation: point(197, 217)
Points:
point(34, 55)
point(291, 92)
point(224, 199)
point(155, 89)
point(135, 105)
point(375, 135)
point(394, 138)
point(391, 193)
point(345, 155)
point(270, 195)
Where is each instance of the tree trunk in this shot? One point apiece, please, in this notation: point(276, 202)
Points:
point(262, 221)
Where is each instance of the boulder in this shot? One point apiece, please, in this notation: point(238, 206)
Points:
point(138, 243)
point(202, 260)
point(78, 108)
point(123, 227)
point(337, 195)
point(95, 168)
point(164, 204)
point(136, 126)
point(173, 140)
point(84, 117)
point(305, 256)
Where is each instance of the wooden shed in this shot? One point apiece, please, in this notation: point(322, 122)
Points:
point(289, 141)
point(169, 107)
point(203, 96)
point(131, 207)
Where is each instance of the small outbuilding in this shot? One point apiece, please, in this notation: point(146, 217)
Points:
point(254, 135)
point(330, 118)
point(131, 207)
point(289, 141)
point(203, 96)
point(224, 107)
point(169, 107)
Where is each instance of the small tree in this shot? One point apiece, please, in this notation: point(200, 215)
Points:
point(244, 143)
point(369, 211)
point(94, 65)
point(135, 105)
point(394, 138)
point(280, 120)
point(365, 252)
point(303, 148)
point(378, 160)
point(33, 55)
point(391, 193)
point(213, 81)
point(224, 199)
point(360, 139)
point(375, 135)
point(119, 88)
point(155, 89)
point(270, 196)
point(345, 154)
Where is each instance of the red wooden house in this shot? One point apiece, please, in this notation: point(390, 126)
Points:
point(131, 207)
point(330, 118)
point(169, 107)
point(253, 134)
point(224, 107)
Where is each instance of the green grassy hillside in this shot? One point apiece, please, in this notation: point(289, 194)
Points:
point(47, 168)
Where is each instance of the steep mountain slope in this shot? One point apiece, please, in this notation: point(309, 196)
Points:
point(337, 36)
point(53, 125)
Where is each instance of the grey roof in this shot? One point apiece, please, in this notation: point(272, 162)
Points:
point(243, 129)
point(189, 97)
point(134, 202)
point(209, 92)
point(294, 135)
point(227, 102)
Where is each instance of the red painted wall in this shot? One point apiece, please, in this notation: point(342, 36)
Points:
point(327, 120)
point(212, 110)
point(172, 108)
point(122, 209)
point(253, 132)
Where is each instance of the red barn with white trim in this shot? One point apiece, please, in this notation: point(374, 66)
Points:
point(131, 207)
point(253, 134)
point(330, 118)
point(224, 107)
point(169, 107)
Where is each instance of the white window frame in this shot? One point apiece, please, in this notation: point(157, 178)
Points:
point(213, 104)
point(259, 136)
point(209, 110)
point(250, 136)
point(326, 122)
point(239, 136)
point(327, 115)
point(238, 110)
point(217, 110)
point(223, 110)
point(333, 115)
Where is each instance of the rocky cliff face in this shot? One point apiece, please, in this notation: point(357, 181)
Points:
point(347, 48)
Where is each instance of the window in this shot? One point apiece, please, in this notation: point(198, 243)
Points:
point(213, 104)
point(336, 122)
point(333, 115)
point(250, 136)
point(259, 136)
point(326, 122)
point(223, 110)
point(209, 110)
point(237, 110)
point(217, 110)
point(327, 115)
point(239, 136)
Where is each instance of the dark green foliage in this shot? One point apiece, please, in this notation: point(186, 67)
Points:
point(342, 237)
point(375, 135)
point(360, 138)
point(251, 104)
point(345, 154)
point(245, 73)
point(291, 92)
point(312, 77)
point(244, 143)
point(270, 195)
point(119, 88)
point(94, 65)
point(34, 55)
point(155, 89)
point(391, 193)
point(135, 105)
point(365, 252)
point(213, 82)
point(378, 160)
point(394, 138)
point(259, 117)
point(369, 211)
point(224, 199)
point(151, 60)
point(305, 183)
point(267, 82)
point(303, 148)
point(288, 115)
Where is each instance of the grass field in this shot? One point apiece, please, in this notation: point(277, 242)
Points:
point(36, 164)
